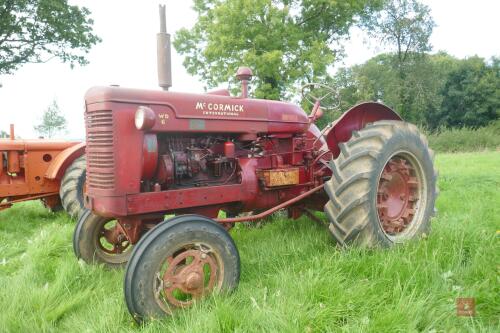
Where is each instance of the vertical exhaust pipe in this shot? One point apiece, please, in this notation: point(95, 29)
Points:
point(163, 53)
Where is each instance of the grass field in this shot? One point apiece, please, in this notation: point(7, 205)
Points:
point(293, 278)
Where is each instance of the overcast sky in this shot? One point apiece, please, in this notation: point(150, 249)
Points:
point(127, 55)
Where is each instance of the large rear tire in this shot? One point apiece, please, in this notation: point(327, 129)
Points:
point(178, 262)
point(72, 188)
point(383, 187)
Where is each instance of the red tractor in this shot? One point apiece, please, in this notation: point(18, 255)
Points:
point(157, 153)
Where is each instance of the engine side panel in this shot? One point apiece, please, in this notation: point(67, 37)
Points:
point(189, 158)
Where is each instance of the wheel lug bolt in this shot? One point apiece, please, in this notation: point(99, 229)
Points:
point(203, 255)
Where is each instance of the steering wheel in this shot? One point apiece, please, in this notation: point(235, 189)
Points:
point(324, 92)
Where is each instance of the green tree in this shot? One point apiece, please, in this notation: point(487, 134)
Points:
point(471, 95)
point(286, 43)
point(378, 80)
point(33, 31)
point(4, 134)
point(404, 27)
point(53, 121)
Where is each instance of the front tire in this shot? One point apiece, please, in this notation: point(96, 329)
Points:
point(383, 187)
point(178, 262)
point(100, 240)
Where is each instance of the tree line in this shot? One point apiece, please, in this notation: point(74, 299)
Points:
point(438, 90)
point(292, 42)
point(287, 43)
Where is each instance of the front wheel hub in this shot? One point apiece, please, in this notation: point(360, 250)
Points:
point(112, 239)
point(190, 274)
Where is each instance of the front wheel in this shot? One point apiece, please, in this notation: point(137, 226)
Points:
point(100, 240)
point(383, 187)
point(178, 262)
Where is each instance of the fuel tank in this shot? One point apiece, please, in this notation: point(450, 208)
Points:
point(208, 113)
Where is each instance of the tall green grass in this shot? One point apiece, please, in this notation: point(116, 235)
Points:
point(293, 278)
point(466, 139)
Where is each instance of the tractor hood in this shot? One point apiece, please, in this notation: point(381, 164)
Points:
point(259, 115)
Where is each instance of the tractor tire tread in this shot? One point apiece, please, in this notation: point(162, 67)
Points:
point(71, 190)
point(350, 187)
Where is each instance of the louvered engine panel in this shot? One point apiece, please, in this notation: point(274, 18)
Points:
point(100, 155)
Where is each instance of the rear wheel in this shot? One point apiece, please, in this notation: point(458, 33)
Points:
point(73, 187)
point(52, 203)
point(100, 240)
point(177, 263)
point(383, 186)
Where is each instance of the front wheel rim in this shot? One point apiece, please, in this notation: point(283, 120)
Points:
point(401, 196)
point(111, 240)
point(190, 273)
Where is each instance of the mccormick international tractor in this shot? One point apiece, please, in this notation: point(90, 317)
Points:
point(193, 156)
point(49, 170)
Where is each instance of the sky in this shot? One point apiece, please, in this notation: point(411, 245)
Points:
point(127, 56)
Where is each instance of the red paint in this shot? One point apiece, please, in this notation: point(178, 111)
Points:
point(149, 156)
point(229, 149)
point(205, 152)
point(397, 195)
point(355, 119)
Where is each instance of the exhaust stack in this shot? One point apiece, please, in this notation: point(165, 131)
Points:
point(163, 53)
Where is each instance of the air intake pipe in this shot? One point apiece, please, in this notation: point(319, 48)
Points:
point(163, 53)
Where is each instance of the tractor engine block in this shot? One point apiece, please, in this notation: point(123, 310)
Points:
point(195, 161)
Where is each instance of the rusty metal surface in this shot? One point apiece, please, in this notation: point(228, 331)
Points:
point(397, 195)
point(280, 177)
point(191, 273)
point(8, 203)
point(23, 168)
point(271, 210)
point(112, 238)
point(26, 175)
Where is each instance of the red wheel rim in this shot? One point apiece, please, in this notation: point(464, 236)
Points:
point(186, 276)
point(112, 239)
point(398, 193)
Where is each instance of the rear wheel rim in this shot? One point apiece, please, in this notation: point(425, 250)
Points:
point(401, 196)
point(190, 273)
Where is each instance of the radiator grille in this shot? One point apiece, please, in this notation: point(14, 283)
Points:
point(100, 156)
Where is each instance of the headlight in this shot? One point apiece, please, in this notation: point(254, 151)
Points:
point(144, 118)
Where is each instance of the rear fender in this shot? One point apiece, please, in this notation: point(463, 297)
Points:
point(63, 160)
point(354, 120)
